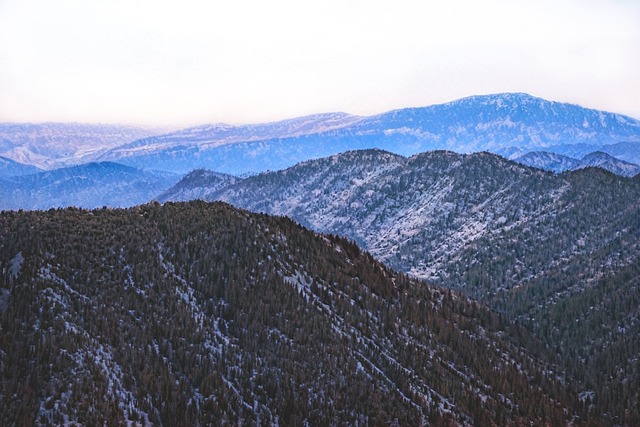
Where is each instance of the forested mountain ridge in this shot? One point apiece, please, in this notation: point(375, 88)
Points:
point(198, 313)
point(529, 243)
point(425, 214)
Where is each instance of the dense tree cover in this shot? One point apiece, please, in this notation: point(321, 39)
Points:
point(571, 276)
point(197, 313)
point(559, 253)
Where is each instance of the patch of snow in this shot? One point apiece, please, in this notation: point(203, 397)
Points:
point(16, 265)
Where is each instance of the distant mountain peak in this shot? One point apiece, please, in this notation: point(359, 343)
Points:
point(559, 163)
point(608, 162)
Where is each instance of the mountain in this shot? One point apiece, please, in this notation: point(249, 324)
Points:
point(420, 214)
point(543, 248)
point(608, 162)
point(202, 314)
point(197, 185)
point(627, 151)
point(548, 161)
point(88, 186)
point(509, 124)
point(505, 124)
point(10, 168)
point(53, 145)
point(559, 163)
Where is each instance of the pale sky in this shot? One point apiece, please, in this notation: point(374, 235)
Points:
point(188, 62)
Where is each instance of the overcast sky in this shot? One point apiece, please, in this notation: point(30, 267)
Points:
point(178, 63)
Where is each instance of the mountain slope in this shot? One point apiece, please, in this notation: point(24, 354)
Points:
point(608, 162)
point(53, 145)
point(89, 186)
point(626, 150)
point(197, 185)
point(203, 314)
point(548, 161)
point(409, 212)
point(509, 124)
point(523, 240)
point(235, 149)
point(418, 214)
point(10, 168)
point(559, 163)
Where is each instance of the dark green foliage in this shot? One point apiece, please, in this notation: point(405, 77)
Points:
point(557, 253)
point(199, 314)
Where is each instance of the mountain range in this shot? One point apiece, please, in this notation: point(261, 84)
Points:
point(410, 285)
point(514, 125)
point(509, 124)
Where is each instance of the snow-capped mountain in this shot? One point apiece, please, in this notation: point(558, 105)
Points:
point(88, 186)
point(10, 168)
point(505, 124)
point(510, 124)
point(53, 145)
point(559, 163)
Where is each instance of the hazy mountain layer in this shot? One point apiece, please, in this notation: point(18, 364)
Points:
point(197, 185)
point(88, 186)
point(53, 145)
point(10, 168)
point(559, 163)
point(510, 124)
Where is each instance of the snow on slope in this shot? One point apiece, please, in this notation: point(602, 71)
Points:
point(559, 163)
point(548, 161)
point(52, 145)
point(610, 163)
point(215, 135)
point(508, 124)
